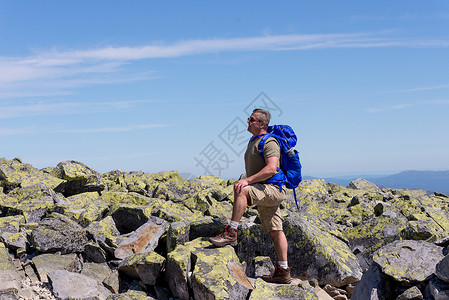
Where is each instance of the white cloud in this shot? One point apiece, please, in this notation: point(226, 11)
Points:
point(62, 108)
point(405, 105)
point(60, 71)
point(40, 130)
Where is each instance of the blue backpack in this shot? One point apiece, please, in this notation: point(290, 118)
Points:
point(290, 163)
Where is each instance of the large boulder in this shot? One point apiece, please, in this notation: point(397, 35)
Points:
point(84, 208)
point(264, 290)
point(69, 285)
point(409, 262)
point(218, 274)
point(17, 174)
point(179, 264)
point(78, 177)
point(58, 233)
point(10, 279)
point(145, 266)
point(48, 262)
point(144, 239)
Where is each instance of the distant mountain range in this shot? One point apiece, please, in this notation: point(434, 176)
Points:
point(432, 181)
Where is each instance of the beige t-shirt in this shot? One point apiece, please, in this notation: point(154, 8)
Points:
point(254, 161)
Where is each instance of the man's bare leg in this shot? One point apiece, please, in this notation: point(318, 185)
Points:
point(280, 244)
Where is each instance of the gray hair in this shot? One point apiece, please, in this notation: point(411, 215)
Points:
point(265, 116)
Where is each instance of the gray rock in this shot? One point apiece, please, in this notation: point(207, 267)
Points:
point(263, 290)
point(439, 289)
point(9, 278)
point(47, 262)
point(412, 293)
point(145, 266)
point(144, 239)
point(263, 266)
point(372, 286)
point(76, 286)
point(409, 262)
point(179, 264)
point(442, 269)
point(78, 178)
point(218, 274)
point(58, 233)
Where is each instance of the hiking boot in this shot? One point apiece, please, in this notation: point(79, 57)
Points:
point(227, 237)
point(280, 275)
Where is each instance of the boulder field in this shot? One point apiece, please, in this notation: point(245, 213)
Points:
point(69, 232)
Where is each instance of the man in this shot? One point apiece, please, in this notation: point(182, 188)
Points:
point(254, 190)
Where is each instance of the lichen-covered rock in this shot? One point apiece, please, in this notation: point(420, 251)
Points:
point(131, 295)
point(145, 266)
point(113, 197)
point(58, 233)
point(104, 231)
point(366, 238)
point(69, 285)
point(18, 174)
point(177, 234)
point(173, 212)
point(317, 254)
point(128, 217)
point(412, 293)
point(218, 274)
point(179, 190)
point(9, 277)
point(144, 239)
point(409, 262)
point(263, 290)
point(364, 185)
point(48, 262)
point(78, 178)
point(84, 208)
point(99, 272)
point(11, 224)
point(179, 264)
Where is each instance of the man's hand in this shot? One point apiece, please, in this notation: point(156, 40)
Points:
point(239, 185)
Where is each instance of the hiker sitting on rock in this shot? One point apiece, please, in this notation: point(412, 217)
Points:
point(254, 190)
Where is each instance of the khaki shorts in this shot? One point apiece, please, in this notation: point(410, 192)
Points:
point(267, 197)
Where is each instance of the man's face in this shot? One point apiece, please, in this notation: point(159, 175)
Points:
point(254, 125)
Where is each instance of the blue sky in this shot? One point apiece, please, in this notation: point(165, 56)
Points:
point(151, 86)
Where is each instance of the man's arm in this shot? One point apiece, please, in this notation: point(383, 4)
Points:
point(268, 171)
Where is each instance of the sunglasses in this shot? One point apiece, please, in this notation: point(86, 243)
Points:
point(252, 120)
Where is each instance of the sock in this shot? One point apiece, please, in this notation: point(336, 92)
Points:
point(283, 264)
point(234, 224)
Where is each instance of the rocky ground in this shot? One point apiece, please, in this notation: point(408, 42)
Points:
point(69, 232)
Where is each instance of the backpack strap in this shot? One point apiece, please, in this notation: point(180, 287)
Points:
point(278, 178)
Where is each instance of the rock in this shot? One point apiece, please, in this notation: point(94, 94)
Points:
point(76, 286)
point(362, 184)
point(179, 265)
point(145, 266)
point(84, 208)
point(372, 286)
point(17, 174)
point(218, 274)
point(104, 231)
point(9, 278)
point(409, 262)
point(263, 266)
point(412, 293)
point(78, 178)
point(178, 234)
point(366, 238)
point(58, 233)
point(144, 239)
point(47, 262)
point(264, 290)
point(128, 217)
point(442, 269)
point(439, 289)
